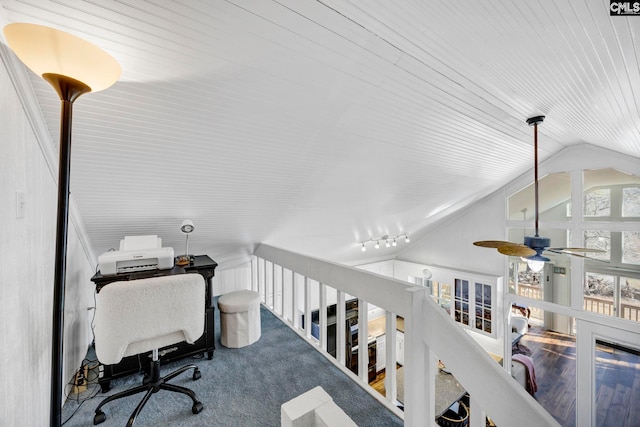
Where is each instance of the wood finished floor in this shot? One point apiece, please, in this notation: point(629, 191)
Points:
point(378, 383)
point(617, 380)
point(554, 355)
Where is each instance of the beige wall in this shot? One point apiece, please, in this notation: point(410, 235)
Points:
point(27, 248)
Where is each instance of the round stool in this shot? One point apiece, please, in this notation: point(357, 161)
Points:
point(239, 318)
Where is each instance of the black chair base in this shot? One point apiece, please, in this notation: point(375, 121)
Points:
point(152, 385)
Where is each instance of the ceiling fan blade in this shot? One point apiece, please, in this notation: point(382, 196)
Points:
point(578, 250)
point(557, 251)
point(494, 243)
point(516, 250)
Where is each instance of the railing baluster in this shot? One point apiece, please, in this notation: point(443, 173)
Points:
point(282, 291)
point(294, 300)
point(322, 336)
point(273, 286)
point(363, 347)
point(263, 290)
point(341, 328)
point(307, 307)
point(251, 281)
point(390, 384)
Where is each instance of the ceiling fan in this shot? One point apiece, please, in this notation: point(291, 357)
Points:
point(534, 246)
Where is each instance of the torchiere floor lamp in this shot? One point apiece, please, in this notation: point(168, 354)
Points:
point(73, 67)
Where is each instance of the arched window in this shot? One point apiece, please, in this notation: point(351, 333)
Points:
point(609, 219)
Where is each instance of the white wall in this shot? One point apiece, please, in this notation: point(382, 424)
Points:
point(234, 279)
point(27, 248)
point(450, 242)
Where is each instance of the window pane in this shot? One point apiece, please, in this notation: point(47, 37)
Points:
point(487, 295)
point(598, 239)
point(462, 301)
point(630, 298)
point(597, 202)
point(631, 202)
point(631, 247)
point(598, 293)
point(554, 192)
point(445, 293)
point(615, 372)
point(483, 307)
point(611, 194)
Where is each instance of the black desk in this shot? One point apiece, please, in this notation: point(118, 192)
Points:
point(201, 264)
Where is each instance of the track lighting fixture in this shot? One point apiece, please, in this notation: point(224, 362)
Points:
point(388, 241)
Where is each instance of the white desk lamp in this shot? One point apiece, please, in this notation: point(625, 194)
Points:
point(186, 228)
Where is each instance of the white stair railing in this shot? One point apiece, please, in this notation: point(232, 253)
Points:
point(429, 331)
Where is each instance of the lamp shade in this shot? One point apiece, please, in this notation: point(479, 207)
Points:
point(187, 226)
point(47, 50)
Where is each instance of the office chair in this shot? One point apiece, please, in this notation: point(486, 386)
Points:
point(138, 316)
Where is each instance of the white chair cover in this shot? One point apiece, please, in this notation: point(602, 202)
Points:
point(136, 316)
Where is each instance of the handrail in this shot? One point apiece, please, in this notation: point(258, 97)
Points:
point(489, 385)
point(429, 331)
point(378, 290)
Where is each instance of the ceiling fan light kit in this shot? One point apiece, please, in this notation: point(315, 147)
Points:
point(534, 246)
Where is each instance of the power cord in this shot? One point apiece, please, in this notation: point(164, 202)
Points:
point(93, 318)
point(86, 377)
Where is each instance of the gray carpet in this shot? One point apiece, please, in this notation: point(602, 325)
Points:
point(239, 387)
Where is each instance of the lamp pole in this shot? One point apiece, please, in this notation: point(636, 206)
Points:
point(73, 67)
point(68, 90)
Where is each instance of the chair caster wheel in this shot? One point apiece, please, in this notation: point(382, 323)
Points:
point(99, 417)
point(197, 408)
point(196, 374)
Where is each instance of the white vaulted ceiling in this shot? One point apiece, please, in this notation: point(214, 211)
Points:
point(312, 125)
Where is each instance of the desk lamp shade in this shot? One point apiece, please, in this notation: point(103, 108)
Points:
point(46, 50)
point(187, 226)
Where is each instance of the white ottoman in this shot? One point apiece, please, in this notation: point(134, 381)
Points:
point(239, 318)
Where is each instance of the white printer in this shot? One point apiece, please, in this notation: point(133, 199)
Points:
point(137, 253)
